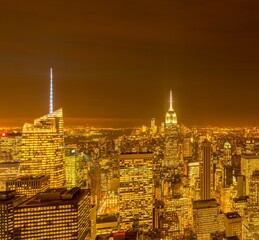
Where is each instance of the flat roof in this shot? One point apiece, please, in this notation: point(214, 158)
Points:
point(53, 197)
point(231, 215)
point(208, 203)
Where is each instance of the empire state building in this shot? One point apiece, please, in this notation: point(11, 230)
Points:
point(171, 158)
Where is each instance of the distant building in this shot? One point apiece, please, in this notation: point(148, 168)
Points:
point(207, 218)
point(171, 158)
point(107, 224)
point(239, 204)
point(254, 189)
point(136, 190)
point(76, 169)
point(8, 171)
point(54, 214)
point(241, 185)
point(29, 185)
point(8, 201)
point(170, 226)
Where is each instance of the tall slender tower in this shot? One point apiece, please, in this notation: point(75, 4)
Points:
point(205, 170)
point(51, 94)
point(171, 130)
point(42, 149)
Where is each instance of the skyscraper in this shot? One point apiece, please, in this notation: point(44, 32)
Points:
point(207, 218)
point(171, 129)
point(42, 150)
point(136, 189)
point(54, 214)
point(205, 170)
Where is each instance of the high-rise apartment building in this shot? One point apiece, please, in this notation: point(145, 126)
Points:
point(54, 214)
point(136, 189)
point(205, 170)
point(207, 218)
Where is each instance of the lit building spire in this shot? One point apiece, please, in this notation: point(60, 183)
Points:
point(51, 94)
point(171, 101)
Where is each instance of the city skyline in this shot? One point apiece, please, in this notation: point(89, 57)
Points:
point(114, 64)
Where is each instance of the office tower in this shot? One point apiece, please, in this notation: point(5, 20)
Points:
point(76, 169)
point(182, 207)
point(171, 158)
point(254, 189)
point(205, 170)
point(241, 185)
point(227, 153)
point(233, 224)
point(136, 189)
point(239, 204)
point(207, 218)
point(250, 225)
point(236, 164)
point(42, 149)
point(8, 201)
point(248, 165)
point(8, 171)
point(95, 182)
point(28, 185)
point(227, 175)
point(54, 214)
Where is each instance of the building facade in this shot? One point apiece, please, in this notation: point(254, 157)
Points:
point(42, 151)
point(136, 190)
point(54, 214)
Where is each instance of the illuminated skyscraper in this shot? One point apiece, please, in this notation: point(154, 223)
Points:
point(54, 214)
point(205, 170)
point(171, 129)
point(207, 218)
point(76, 169)
point(136, 189)
point(42, 150)
point(248, 165)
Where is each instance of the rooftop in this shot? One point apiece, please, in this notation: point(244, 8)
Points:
point(231, 215)
point(55, 197)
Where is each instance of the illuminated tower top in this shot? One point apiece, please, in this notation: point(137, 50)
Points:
point(171, 117)
point(51, 94)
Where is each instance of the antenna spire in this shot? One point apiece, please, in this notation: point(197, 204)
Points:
point(171, 101)
point(51, 94)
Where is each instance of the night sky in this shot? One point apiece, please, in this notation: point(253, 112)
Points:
point(115, 61)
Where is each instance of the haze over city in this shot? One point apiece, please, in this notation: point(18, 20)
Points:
point(117, 60)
